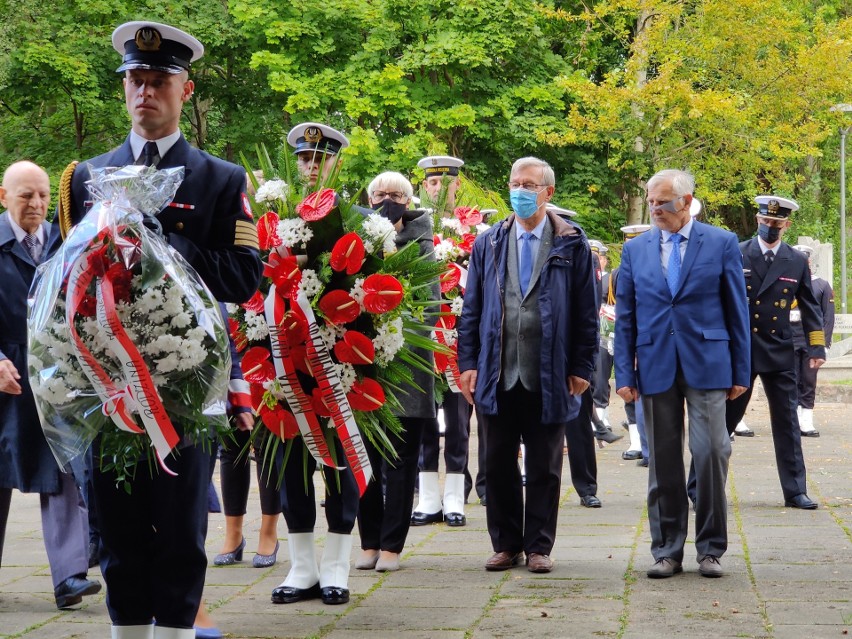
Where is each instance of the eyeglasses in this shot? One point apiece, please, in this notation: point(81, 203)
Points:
point(668, 207)
point(527, 186)
point(396, 196)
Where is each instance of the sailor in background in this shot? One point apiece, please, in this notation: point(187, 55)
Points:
point(806, 377)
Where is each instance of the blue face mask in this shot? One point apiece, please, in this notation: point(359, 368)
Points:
point(524, 203)
point(768, 234)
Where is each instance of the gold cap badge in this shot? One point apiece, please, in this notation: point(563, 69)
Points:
point(148, 39)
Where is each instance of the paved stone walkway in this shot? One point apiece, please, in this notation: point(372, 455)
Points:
point(788, 572)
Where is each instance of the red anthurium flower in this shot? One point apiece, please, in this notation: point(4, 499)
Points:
point(436, 239)
point(256, 365)
point(383, 293)
point(450, 278)
point(355, 348)
point(233, 326)
point(339, 307)
point(267, 231)
point(447, 319)
point(320, 407)
point(280, 421)
point(440, 362)
point(299, 355)
point(466, 243)
point(348, 253)
point(255, 304)
point(295, 327)
point(468, 216)
point(257, 392)
point(317, 205)
point(285, 274)
point(366, 395)
point(240, 340)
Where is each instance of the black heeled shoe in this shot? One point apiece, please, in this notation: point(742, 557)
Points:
point(265, 561)
point(289, 594)
point(230, 558)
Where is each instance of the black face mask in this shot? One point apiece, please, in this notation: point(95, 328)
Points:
point(768, 234)
point(391, 210)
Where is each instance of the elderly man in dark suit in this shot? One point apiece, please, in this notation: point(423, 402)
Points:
point(681, 336)
point(528, 337)
point(152, 540)
point(26, 463)
point(776, 276)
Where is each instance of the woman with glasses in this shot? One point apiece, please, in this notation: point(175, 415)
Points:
point(383, 520)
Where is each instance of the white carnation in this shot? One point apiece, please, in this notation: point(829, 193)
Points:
point(271, 191)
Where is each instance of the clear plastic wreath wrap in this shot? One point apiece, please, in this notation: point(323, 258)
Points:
point(125, 340)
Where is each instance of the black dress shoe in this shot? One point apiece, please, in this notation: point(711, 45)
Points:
point(422, 519)
point(606, 435)
point(456, 519)
point(288, 594)
point(801, 501)
point(631, 454)
point(643, 462)
point(590, 501)
point(333, 596)
point(810, 433)
point(71, 591)
point(94, 554)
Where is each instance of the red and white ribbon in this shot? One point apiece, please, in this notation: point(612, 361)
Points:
point(335, 399)
point(285, 370)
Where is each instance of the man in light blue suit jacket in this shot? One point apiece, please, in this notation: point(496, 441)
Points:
point(682, 335)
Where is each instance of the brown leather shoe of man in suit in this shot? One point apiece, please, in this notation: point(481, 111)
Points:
point(536, 562)
point(502, 560)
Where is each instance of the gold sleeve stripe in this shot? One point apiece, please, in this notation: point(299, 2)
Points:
point(63, 210)
point(816, 338)
point(245, 234)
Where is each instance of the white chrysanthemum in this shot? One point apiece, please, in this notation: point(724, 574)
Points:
point(232, 308)
point(379, 230)
point(271, 191)
point(369, 247)
point(54, 391)
point(168, 363)
point(388, 340)
point(256, 327)
point(328, 335)
point(310, 283)
point(346, 374)
point(453, 224)
point(294, 232)
point(192, 355)
point(456, 305)
point(451, 336)
point(446, 251)
point(357, 292)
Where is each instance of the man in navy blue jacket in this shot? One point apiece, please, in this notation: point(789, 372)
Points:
point(152, 541)
point(528, 337)
point(682, 336)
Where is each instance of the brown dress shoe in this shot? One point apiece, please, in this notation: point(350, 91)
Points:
point(537, 562)
point(502, 560)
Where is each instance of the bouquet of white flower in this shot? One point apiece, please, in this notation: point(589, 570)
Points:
point(125, 340)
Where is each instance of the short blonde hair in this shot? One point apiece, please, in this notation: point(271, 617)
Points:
point(390, 181)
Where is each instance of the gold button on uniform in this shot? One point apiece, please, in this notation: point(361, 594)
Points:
point(757, 303)
point(754, 330)
point(179, 226)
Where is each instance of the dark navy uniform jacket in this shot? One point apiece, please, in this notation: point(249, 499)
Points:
point(771, 291)
point(209, 221)
point(825, 297)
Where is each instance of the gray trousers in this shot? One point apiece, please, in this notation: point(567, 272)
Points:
point(710, 446)
point(65, 528)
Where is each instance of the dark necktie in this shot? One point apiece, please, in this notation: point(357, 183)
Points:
point(150, 154)
point(31, 244)
point(673, 273)
point(525, 266)
point(769, 256)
